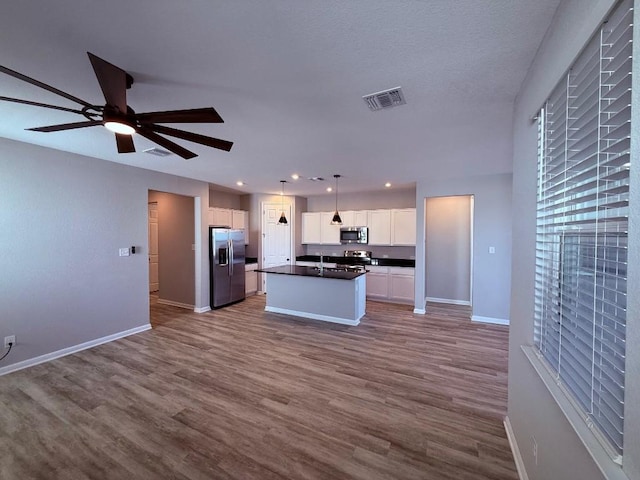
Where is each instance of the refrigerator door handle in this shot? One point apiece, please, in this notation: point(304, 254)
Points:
point(231, 259)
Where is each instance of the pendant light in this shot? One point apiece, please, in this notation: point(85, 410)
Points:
point(283, 218)
point(336, 220)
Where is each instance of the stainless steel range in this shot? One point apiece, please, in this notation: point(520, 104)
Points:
point(361, 258)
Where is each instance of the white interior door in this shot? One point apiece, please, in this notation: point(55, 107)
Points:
point(276, 238)
point(154, 284)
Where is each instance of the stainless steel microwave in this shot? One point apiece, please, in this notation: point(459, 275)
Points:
point(354, 235)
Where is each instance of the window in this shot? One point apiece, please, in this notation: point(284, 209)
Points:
point(584, 133)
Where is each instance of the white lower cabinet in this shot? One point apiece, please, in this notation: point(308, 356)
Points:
point(391, 284)
point(401, 284)
point(251, 279)
point(378, 283)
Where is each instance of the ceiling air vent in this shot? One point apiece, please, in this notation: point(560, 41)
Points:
point(385, 99)
point(158, 152)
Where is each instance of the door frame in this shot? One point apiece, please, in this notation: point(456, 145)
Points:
point(263, 210)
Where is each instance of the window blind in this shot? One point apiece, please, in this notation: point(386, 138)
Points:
point(584, 133)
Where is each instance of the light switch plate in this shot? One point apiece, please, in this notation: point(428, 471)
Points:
point(124, 252)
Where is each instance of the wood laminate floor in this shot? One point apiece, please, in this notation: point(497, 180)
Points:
point(243, 394)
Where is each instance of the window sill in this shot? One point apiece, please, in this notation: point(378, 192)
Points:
point(609, 462)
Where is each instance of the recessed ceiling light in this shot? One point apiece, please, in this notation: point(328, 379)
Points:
point(329, 189)
point(387, 184)
point(295, 176)
point(240, 183)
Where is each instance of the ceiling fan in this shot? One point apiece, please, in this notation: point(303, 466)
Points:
point(120, 118)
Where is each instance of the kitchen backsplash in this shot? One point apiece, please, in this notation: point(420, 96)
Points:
point(376, 251)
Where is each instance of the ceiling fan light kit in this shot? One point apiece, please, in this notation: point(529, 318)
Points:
point(118, 117)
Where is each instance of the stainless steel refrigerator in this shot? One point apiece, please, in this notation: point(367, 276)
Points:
point(226, 266)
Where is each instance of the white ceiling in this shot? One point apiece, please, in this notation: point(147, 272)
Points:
point(287, 76)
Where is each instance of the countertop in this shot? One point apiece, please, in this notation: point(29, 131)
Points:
point(311, 272)
point(382, 262)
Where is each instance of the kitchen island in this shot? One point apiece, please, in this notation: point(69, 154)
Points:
point(324, 294)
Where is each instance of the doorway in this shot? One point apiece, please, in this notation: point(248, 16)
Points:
point(172, 229)
point(154, 257)
point(276, 237)
point(449, 249)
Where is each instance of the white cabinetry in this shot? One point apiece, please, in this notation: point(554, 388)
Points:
point(238, 219)
point(226, 217)
point(379, 223)
point(403, 226)
point(220, 217)
point(386, 227)
point(390, 284)
point(377, 283)
point(401, 284)
point(329, 234)
point(251, 279)
point(360, 218)
point(311, 227)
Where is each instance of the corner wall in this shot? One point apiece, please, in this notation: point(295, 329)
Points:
point(491, 227)
point(62, 219)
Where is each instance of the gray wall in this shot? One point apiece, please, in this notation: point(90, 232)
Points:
point(532, 411)
point(384, 198)
point(491, 227)
point(62, 219)
point(448, 248)
point(176, 234)
point(218, 198)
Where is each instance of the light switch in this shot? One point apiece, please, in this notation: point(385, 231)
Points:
point(124, 252)
point(492, 249)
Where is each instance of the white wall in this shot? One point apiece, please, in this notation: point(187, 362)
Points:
point(491, 227)
point(448, 249)
point(532, 412)
point(62, 219)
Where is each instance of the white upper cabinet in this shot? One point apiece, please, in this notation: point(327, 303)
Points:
point(220, 217)
point(329, 234)
point(379, 223)
point(238, 219)
point(403, 226)
point(386, 227)
point(360, 218)
point(311, 227)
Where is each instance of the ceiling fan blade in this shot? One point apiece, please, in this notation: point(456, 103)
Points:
point(44, 105)
point(113, 82)
point(37, 83)
point(66, 126)
point(193, 137)
point(166, 143)
point(125, 143)
point(196, 115)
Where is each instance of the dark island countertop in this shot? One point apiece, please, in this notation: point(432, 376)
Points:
point(381, 262)
point(311, 272)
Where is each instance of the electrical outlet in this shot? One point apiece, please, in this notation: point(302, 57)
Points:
point(534, 448)
point(10, 339)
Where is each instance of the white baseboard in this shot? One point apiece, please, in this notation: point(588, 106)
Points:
point(449, 301)
point(69, 350)
point(313, 316)
point(202, 309)
point(496, 321)
point(517, 457)
point(419, 311)
point(175, 304)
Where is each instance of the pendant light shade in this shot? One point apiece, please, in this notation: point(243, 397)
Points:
point(336, 220)
point(283, 217)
